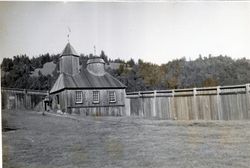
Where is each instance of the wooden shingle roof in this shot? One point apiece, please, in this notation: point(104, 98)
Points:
point(69, 51)
point(86, 80)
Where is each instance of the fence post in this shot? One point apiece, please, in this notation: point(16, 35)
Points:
point(127, 106)
point(219, 109)
point(140, 98)
point(195, 104)
point(248, 100)
point(154, 104)
point(174, 115)
point(25, 99)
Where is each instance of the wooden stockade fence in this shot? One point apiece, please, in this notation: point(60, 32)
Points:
point(13, 98)
point(211, 103)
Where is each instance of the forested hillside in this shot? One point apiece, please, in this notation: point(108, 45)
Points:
point(136, 75)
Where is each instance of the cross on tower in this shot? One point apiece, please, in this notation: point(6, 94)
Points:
point(94, 50)
point(68, 33)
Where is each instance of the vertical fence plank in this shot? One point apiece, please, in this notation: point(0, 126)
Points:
point(141, 104)
point(195, 112)
point(173, 108)
point(219, 105)
point(127, 106)
point(248, 100)
point(154, 105)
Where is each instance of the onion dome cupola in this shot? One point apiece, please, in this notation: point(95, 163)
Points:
point(95, 65)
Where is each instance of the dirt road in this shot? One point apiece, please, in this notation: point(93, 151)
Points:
point(36, 141)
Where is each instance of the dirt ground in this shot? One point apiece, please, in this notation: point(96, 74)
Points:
point(31, 140)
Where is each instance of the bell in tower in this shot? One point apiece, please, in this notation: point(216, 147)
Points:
point(69, 61)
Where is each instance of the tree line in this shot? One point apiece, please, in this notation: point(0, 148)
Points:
point(136, 75)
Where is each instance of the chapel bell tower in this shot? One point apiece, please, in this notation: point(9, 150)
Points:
point(69, 61)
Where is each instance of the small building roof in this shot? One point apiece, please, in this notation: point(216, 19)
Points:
point(69, 51)
point(86, 80)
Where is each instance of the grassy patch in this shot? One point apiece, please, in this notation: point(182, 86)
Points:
point(49, 141)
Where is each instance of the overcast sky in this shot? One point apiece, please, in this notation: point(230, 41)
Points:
point(155, 32)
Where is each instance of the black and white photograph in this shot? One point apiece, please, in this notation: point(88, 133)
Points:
point(125, 84)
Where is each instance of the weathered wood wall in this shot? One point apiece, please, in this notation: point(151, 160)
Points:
point(21, 98)
point(67, 102)
point(213, 103)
